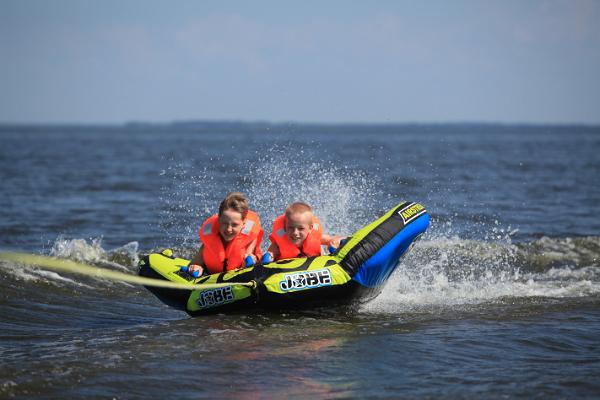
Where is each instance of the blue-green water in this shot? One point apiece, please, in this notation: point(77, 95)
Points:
point(500, 299)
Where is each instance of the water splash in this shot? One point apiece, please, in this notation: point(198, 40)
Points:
point(548, 252)
point(78, 249)
point(92, 252)
point(185, 200)
point(457, 272)
point(32, 274)
point(444, 269)
point(344, 199)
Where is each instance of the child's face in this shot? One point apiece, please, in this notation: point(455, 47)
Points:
point(298, 227)
point(230, 224)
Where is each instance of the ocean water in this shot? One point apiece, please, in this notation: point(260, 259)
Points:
point(500, 298)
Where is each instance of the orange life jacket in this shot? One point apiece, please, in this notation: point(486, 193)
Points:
point(217, 257)
point(310, 247)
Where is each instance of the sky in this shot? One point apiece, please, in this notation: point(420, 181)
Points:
point(105, 61)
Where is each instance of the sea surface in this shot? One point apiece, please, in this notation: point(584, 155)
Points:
point(500, 298)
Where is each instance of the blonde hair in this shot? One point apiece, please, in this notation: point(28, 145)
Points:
point(234, 201)
point(297, 208)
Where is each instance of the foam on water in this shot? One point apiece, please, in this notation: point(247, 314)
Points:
point(548, 252)
point(443, 269)
point(80, 250)
point(123, 258)
point(437, 272)
point(454, 272)
point(34, 274)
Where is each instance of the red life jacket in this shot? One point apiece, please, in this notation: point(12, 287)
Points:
point(217, 257)
point(310, 247)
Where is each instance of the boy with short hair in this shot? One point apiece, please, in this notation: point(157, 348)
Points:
point(228, 238)
point(298, 233)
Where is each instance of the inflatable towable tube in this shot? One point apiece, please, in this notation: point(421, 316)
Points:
point(356, 272)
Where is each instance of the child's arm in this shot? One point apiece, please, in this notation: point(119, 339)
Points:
point(197, 262)
point(250, 251)
point(274, 251)
point(331, 241)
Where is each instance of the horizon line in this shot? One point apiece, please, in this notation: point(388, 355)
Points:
point(190, 122)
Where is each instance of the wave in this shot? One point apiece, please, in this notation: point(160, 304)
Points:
point(551, 252)
point(124, 258)
point(451, 272)
point(440, 268)
point(80, 250)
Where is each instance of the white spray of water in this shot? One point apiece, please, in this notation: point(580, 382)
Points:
point(443, 269)
point(343, 199)
point(455, 272)
point(188, 199)
point(93, 253)
point(79, 249)
point(123, 258)
point(33, 274)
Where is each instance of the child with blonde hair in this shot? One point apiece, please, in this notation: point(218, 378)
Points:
point(298, 233)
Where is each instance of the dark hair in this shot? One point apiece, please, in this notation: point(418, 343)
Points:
point(234, 201)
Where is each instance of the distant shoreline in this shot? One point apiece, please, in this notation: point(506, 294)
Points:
point(226, 125)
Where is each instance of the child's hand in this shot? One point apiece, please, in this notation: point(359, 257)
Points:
point(335, 241)
point(268, 257)
point(195, 267)
point(252, 257)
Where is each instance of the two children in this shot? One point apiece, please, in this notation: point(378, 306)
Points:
point(232, 237)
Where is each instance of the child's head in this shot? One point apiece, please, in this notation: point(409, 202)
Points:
point(232, 214)
point(298, 222)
